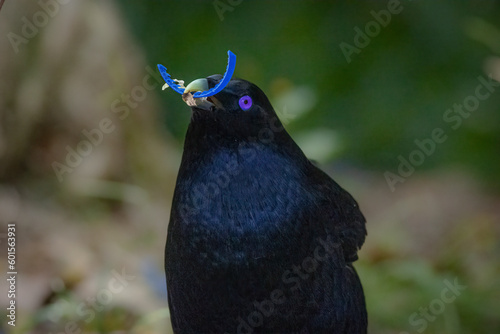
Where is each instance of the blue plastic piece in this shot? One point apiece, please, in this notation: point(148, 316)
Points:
point(231, 65)
point(171, 83)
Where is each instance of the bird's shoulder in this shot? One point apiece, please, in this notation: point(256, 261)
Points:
point(338, 211)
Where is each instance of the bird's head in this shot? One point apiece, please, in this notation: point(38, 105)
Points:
point(239, 112)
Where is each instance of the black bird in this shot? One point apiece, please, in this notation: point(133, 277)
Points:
point(259, 240)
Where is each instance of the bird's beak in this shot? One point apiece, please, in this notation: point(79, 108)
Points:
point(198, 85)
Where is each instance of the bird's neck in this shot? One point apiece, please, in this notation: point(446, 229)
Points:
point(207, 136)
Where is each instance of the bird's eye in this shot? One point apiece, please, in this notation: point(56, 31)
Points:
point(245, 102)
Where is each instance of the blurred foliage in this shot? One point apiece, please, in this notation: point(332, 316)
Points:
point(393, 92)
point(112, 210)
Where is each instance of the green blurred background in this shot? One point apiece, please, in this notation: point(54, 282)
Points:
point(69, 68)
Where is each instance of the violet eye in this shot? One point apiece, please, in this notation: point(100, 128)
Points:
point(245, 102)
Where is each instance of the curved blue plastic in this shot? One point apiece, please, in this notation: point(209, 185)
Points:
point(231, 65)
point(171, 83)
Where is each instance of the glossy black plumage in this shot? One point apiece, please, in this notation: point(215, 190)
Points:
point(259, 240)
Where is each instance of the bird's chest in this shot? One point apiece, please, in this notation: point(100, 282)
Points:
point(239, 205)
